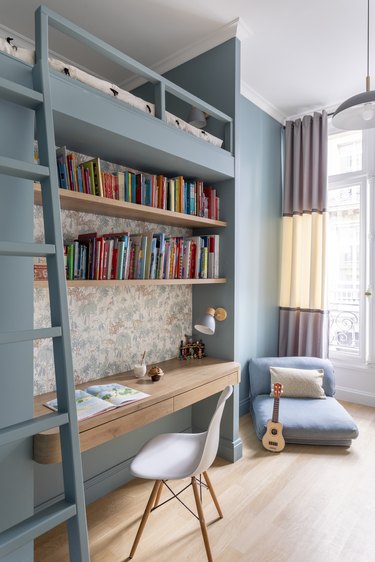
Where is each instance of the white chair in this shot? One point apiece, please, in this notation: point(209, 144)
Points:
point(175, 456)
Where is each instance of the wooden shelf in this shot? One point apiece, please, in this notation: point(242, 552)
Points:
point(85, 203)
point(133, 282)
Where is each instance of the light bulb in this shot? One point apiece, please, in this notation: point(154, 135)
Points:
point(368, 112)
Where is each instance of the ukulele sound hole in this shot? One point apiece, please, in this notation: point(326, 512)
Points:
point(274, 431)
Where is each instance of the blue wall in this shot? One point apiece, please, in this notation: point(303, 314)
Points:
point(258, 224)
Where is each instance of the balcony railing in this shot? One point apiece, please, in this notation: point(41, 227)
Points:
point(344, 328)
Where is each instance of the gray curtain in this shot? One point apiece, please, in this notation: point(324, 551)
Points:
point(302, 323)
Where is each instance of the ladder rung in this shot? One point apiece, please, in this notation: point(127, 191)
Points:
point(26, 249)
point(11, 91)
point(21, 169)
point(29, 335)
point(31, 427)
point(34, 526)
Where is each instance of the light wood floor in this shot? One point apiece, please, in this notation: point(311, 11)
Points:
point(305, 504)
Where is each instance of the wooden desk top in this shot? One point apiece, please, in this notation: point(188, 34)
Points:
point(183, 384)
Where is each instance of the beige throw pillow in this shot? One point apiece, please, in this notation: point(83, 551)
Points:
point(298, 383)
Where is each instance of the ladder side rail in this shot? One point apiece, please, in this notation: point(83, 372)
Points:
point(69, 437)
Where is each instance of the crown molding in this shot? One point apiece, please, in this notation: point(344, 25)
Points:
point(330, 109)
point(243, 30)
point(262, 103)
point(235, 28)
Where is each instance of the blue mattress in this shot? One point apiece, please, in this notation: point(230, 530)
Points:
point(307, 420)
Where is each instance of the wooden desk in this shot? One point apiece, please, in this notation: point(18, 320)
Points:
point(183, 384)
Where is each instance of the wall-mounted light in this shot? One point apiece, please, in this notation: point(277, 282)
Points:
point(197, 118)
point(208, 322)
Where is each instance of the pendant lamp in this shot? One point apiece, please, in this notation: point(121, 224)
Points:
point(358, 112)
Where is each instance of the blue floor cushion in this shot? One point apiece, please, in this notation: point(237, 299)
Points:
point(307, 420)
point(316, 421)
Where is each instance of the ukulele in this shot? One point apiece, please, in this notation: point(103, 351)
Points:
point(273, 439)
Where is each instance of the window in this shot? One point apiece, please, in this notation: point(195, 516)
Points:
point(351, 225)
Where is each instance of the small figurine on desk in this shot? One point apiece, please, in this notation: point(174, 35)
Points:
point(191, 349)
point(155, 373)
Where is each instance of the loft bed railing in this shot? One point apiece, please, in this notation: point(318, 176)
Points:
point(44, 17)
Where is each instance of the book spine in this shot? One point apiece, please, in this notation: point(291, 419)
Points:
point(63, 183)
point(139, 190)
point(114, 261)
point(76, 264)
point(83, 264)
point(70, 262)
point(204, 262)
point(97, 177)
point(171, 195)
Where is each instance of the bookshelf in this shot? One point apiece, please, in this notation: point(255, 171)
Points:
point(83, 202)
point(89, 122)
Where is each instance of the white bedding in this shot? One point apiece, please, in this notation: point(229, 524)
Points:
point(28, 56)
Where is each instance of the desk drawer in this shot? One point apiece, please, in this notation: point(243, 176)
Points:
point(119, 426)
point(204, 391)
point(47, 445)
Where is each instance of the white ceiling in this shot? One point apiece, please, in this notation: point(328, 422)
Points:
point(296, 55)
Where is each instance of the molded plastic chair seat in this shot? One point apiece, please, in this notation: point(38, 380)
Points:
point(175, 456)
point(170, 456)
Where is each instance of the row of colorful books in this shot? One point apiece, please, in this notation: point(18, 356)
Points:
point(174, 194)
point(142, 256)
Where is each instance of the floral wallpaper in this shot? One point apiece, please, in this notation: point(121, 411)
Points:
point(111, 326)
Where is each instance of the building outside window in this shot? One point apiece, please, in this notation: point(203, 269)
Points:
point(350, 255)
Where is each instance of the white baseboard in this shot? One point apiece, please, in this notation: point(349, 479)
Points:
point(355, 396)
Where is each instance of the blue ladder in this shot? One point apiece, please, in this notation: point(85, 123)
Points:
point(72, 508)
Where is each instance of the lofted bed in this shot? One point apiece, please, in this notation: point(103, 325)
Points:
point(92, 115)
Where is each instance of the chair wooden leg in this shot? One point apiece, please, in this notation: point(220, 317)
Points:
point(213, 495)
point(146, 513)
point(160, 489)
point(201, 519)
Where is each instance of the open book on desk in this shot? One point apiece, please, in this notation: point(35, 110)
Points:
point(100, 398)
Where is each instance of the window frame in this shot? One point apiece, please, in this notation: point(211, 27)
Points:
point(366, 179)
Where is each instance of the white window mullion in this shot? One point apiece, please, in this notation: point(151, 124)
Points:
point(363, 274)
point(369, 221)
point(370, 273)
